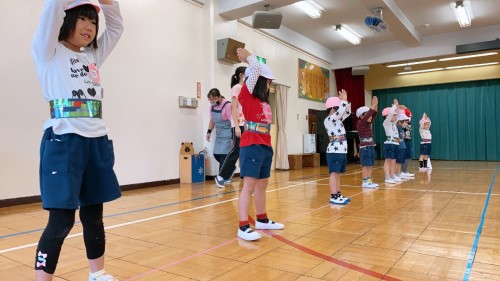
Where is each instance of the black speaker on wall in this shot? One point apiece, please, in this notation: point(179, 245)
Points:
point(266, 19)
point(226, 50)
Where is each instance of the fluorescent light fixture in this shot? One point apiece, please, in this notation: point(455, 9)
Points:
point(421, 71)
point(469, 56)
point(411, 63)
point(311, 8)
point(348, 34)
point(461, 12)
point(471, 65)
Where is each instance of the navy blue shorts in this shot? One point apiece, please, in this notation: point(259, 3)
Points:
point(409, 150)
point(400, 158)
point(336, 162)
point(390, 150)
point(367, 156)
point(425, 148)
point(255, 161)
point(76, 171)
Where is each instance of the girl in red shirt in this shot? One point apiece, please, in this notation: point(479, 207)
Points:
point(256, 152)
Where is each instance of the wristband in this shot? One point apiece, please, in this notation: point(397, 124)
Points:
point(209, 131)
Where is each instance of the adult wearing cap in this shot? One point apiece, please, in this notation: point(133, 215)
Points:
point(366, 116)
point(256, 152)
point(391, 143)
point(77, 158)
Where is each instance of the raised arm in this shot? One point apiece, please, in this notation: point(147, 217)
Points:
point(245, 56)
point(113, 31)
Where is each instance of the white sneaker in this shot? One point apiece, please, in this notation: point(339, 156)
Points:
point(249, 234)
point(390, 181)
point(368, 185)
point(373, 184)
point(339, 201)
point(408, 174)
point(270, 225)
point(101, 276)
point(345, 198)
point(397, 179)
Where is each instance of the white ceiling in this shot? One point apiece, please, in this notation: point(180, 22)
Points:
point(410, 24)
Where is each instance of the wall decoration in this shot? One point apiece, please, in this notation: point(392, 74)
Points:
point(314, 81)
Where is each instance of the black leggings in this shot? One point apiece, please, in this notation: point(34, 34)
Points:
point(229, 165)
point(60, 223)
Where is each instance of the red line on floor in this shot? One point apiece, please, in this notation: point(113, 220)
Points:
point(327, 258)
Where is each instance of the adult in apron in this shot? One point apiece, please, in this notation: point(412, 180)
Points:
point(220, 120)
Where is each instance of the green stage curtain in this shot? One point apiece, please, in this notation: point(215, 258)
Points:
point(465, 118)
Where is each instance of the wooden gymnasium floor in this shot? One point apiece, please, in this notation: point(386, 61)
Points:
point(442, 225)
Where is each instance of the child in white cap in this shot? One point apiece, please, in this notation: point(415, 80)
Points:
point(401, 155)
point(426, 142)
point(256, 151)
point(391, 144)
point(364, 127)
point(77, 158)
point(338, 109)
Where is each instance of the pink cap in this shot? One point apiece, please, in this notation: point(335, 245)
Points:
point(83, 2)
point(332, 102)
point(386, 111)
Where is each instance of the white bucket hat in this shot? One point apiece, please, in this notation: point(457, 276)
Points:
point(265, 71)
point(402, 117)
point(362, 110)
point(84, 2)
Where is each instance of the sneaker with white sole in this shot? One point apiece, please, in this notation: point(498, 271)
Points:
point(390, 181)
point(397, 179)
point(339, 201)
point(408, 174)
point(269, 225)
point(348, 199)
point(249, 234)
point(219, 182)
point(227, 181)
point(365, 184)
point(369, 185)
point(373, 184)
point(101, 276)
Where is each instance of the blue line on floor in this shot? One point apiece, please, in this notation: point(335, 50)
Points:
point(472, 254)
point(126, 213)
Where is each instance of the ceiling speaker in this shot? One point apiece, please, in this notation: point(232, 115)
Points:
point(360, 70)
point(266, 19)
point(226, 50)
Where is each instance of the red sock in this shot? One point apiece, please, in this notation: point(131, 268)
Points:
point(262, 216)
point(243, 223)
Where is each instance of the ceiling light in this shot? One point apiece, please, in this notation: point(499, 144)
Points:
point(411, 63)
point(310, 7)
point(348, 34)
point(469, 56)
point(472, 65)
point(461, 13)
point(420, 71)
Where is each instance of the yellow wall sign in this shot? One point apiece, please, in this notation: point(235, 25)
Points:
point(314, 81)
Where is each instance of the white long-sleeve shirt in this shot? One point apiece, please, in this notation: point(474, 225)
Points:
point(425, 134)
point(391, 131)
point(64, 74)
point(335, 127)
